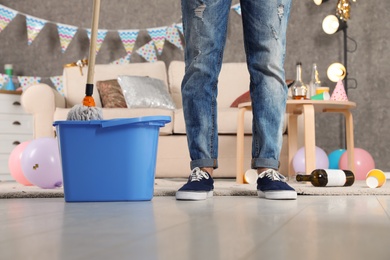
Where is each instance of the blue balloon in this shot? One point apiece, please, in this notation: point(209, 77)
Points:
point(334, 158)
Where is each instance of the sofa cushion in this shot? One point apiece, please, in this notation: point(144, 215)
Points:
point(74, 81)
point(145, 92)
point(111, 94)
point(111, 113)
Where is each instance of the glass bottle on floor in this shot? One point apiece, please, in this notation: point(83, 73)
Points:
point(328, 178)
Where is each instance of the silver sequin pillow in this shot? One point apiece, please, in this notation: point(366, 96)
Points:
point(144, 92)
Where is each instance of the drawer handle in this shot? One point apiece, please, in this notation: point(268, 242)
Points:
point(16, 123)
point(16, 143)
point(16, 103)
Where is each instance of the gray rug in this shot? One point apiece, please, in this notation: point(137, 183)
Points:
point(223, 187)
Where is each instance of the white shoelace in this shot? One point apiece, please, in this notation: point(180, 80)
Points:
point(197, 174)
point(273, 175)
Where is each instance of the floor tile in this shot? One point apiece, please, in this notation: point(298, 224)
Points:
point(312, 227)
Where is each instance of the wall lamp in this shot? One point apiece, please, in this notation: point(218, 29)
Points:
point(336, 71)
point(331, 25)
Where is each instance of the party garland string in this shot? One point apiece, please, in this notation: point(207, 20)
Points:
point(66, 33)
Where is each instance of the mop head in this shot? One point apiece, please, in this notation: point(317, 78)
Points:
point(85, 113)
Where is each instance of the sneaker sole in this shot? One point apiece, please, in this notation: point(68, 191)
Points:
point(278, 195)
point(193, 195)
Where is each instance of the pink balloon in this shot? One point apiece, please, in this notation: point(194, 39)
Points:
point(299, 160)
point(15, 165)
point(41, 163)
point(363, 163)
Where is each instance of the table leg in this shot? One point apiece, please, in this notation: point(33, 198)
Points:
point(350, 139)
point(310, 143)
point(240, 146)
point(292, 141)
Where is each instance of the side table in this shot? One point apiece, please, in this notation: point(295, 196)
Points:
point(307, 108)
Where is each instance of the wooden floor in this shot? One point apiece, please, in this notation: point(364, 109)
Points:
point(338, 227)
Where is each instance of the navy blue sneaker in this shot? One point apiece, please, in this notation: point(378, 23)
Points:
point(200, 186)
point(272, 185)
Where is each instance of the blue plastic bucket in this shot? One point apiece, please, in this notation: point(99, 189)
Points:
point(109, 160)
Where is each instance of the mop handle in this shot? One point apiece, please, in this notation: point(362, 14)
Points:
point(92, 47)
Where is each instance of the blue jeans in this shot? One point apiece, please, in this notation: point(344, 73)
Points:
point(205, 27)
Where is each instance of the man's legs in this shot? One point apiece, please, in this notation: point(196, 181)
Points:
point(265, 24)
point(205, 26)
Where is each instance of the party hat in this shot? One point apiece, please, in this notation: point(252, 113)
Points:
point(339, 92)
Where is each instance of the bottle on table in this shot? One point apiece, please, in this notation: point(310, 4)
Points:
point(314, 82)
point(9, 72)
point(328, 178)
point(299, 88)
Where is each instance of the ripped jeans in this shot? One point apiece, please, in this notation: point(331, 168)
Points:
point(205, 28)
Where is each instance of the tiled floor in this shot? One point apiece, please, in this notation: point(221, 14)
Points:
point(351, 227)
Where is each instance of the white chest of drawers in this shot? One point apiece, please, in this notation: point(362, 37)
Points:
point(15, 127)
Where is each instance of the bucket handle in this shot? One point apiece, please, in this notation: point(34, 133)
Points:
point(159, 121)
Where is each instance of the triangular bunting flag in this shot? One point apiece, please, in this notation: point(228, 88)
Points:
point(66, 34)
point(3, 79)
point(123, 60)
point(26, 82)
point(58, 84)
point(101, 34)
point(179, 26)
point(148, 52)
point(237, 8)
point(6, 16)
point(128, 38)
point(339, 92)
point(173, 36)
point(34, 26)
point(158, 37)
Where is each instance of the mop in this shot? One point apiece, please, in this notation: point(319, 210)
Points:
point(88, 110)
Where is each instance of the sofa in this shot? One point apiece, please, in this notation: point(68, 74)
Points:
point(47, 105)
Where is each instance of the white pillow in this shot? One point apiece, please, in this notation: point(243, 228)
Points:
point(144, 92)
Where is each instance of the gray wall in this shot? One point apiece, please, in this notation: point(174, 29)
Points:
point(306, 42)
